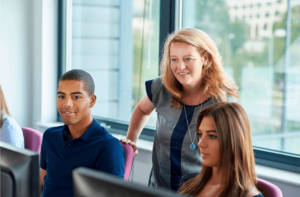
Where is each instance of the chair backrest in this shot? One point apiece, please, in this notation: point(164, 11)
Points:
point(128, 160)
point(268, 189)
point(33, 139)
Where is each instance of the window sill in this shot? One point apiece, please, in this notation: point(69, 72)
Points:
point(278, 175)
point(47, 125)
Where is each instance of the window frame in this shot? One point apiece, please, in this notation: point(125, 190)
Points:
point(61, 66)
point(263, 156)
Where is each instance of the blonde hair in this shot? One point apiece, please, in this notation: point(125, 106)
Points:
point(215, 82)
point(3, 106)
point(237, 162)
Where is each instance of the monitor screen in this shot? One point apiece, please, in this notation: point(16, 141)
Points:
point(89, 182)
point(19, 171)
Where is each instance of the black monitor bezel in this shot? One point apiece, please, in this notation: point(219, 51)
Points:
point(15, 169)
point(83, 175)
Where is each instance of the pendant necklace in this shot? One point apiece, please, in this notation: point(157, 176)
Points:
point(192, 146)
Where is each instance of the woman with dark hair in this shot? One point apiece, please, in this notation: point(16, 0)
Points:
point(228, 165)
point(10, 131)
point(192, 78)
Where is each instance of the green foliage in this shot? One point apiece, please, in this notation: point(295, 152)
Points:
point(146, 41)
point(237, 29)
point(213, 18)
point(137, 63)
point(279, 43)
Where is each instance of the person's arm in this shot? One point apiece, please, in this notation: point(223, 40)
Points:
point(139, 117)
point(43, 174)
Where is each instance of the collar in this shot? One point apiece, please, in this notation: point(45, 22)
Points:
point(88, 135)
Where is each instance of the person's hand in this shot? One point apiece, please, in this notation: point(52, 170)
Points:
point(128, 141)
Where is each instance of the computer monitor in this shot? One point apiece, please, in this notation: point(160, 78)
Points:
point(89, 182)
point(19, 171)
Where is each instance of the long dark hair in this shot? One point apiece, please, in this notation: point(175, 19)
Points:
point(3, 107)
point(237, 158)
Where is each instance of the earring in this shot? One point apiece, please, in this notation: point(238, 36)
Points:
point(204, 65)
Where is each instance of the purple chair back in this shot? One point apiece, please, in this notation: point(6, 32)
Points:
point(128, 160)
point(268, 189)
point(33, 139)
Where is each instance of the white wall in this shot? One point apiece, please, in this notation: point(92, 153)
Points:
point(28, 49)
point(45, 61)
point(16, 63)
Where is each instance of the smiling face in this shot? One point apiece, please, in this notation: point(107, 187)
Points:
point(73, 103)
point(186, 64)
point(208, 143)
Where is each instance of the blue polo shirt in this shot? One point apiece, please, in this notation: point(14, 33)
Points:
point(96, 149)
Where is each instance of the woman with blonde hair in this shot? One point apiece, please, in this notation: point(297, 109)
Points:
point(192, 78)
point(224, 141)
point(10, 131)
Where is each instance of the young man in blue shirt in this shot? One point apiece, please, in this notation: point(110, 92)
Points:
point(80, 142)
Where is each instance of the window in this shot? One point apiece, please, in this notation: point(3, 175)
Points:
point(267, 15)
point(269, 88)
point(117, 42)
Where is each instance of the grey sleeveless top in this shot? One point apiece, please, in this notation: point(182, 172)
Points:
point(172, 156)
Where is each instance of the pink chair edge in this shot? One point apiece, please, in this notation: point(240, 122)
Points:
point(268, 188)
point(28, 133)
point(128, 160)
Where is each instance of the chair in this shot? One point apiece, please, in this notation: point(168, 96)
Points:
point(268, 189)
point(33, 139)
point(128, 160)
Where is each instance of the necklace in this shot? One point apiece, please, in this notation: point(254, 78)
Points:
point(192, 146)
